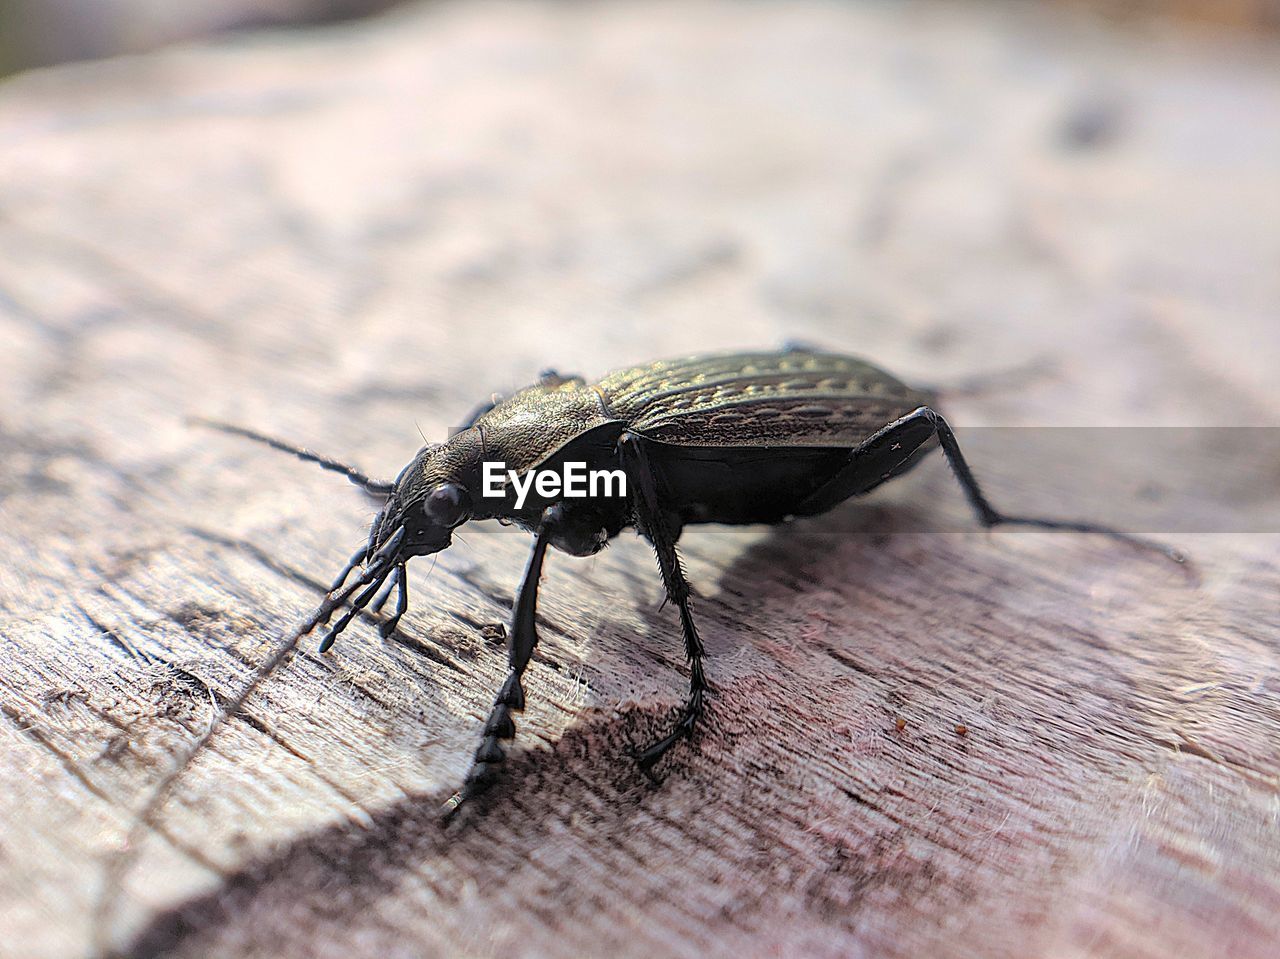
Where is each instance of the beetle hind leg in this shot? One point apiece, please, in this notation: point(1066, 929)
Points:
point(989, 516)
point(893, 449)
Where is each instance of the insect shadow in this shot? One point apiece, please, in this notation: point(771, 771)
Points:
point(584, 787)
point(583, 798)
point(725, 439)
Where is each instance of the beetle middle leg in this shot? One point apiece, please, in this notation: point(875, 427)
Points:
point(655, 526)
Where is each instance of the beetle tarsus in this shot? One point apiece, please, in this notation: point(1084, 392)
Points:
point(384, 594)
point(648, 757)
point(1171, 553)
point(356, 559)
point(371, 579)
point(488, 759)
point(500, 723)
point(481, 777)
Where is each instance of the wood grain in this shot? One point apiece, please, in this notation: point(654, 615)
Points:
point(352, 235)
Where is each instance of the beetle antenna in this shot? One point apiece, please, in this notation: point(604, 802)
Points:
point(379, 489)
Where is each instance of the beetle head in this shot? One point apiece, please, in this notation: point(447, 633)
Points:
point(421, 512)
point(429, 499)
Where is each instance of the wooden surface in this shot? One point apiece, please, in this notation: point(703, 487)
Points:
point(350, 235)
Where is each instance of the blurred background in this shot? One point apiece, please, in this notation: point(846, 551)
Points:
point(346, 222)
point(35, 33)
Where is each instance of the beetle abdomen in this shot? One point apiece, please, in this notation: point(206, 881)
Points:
point(743, 485)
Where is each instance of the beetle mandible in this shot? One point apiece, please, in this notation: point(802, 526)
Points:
point(734, 438)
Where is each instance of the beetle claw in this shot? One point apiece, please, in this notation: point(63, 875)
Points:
point(638, 756)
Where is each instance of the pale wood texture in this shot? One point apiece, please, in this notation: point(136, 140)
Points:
point(348, 235)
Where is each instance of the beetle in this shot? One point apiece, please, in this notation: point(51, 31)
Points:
point(729, 438)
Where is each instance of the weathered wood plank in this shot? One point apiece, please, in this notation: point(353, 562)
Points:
point(349, 236)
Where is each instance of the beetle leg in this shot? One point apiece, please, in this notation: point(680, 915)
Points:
point(989, 516)
point(521, 640)
point(654, 525)
point(553, 378)
point(479, 411)
point(358, 603)
point(800, 346)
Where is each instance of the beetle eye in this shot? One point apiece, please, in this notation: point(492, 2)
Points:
point(447, 505)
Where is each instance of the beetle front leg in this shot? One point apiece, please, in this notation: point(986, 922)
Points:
point(654, 525)
point(521, 640)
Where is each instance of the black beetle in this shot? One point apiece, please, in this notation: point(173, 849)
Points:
point(736, 438)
